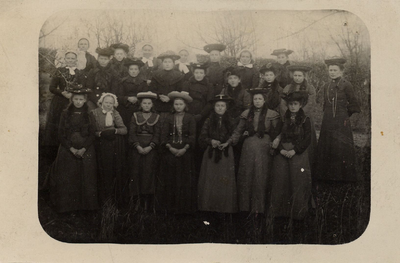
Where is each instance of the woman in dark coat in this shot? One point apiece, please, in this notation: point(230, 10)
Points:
point(58, 86)
point(128, 89)
point(336, 155)
point(144, 137)
point(176, 190)
point(249, 75)
point(118, 60)
point(217, 181)
point(215, 72)
point(165, 81)
point(73, 178)
point(102, 78)
point(87, 61)
point(255, 157)
point(110, 150)
point(282, 57)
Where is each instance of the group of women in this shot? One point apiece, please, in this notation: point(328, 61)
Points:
point(166, 135)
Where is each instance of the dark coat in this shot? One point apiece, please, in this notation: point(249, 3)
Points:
point(164, 82)
point(188, 130)
point(91, 62)
point(249, 77)
point(139, 125)
point(201, 92)
point(100, 80)
point(215, 74)
point(119, 67)
point(242, 100)
point(283, 75)
point(147, 72)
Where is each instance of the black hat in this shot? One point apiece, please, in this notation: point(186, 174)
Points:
point(231, 71)
point(222, 97)
point(300, 96)
point(125, 47)
point(133, 61)
point(169, 54)
point(285, 51)
point(269, 67)
point(257, 90)
point(105, 51)
point(76, 88)
point(210, 47)
point(302, 68)
point(199, 66)
point(335, 61)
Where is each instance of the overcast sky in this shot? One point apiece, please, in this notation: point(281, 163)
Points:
point(175, 29)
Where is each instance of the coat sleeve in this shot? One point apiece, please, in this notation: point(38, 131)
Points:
point(311, 101)
point(54, 85)
point(237, 133)
point(122, 99)
point(204, 139)
point(256, 78)
point(62, 136)
point(120, 126)
point(133, 140)
point(303, 144)
point(90, 80)
point(92, 128)
point(246, 100)
point(353, 106)
point(208, 107)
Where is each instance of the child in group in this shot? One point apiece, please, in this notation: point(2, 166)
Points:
point(128, 89)
point(110, 149)
point(217, 182)
point(86, 61)
point(165, 81)
point(176, 190)
point(282, 58)
point(183, 64)
point(119, 57)
point(291, 175)
point(103, 78)
point(151, 63)
point(144, 137)
point(73, 178)
point(59, 83)
point(248, 73)
point(215, 72)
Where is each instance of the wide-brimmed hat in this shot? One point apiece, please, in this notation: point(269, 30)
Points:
point(269, 67)
point(146, 95)
point(258, 90)
point(125, 47)
point(181, 95)
point(222, 97)
point(76, 88)
point(169, 54)
point(133, 61)
point(302, 68)
point(199, 66)
point(285, 51)
point(300, 96)
point(105, 51)
point(231, 71)
point(210, 47)
point(335, 61)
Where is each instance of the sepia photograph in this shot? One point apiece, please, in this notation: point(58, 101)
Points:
point(229, 127)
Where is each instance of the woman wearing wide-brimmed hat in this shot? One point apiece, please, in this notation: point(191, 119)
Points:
point(282, 59)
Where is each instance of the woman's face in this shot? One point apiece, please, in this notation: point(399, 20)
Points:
point(294, 106)
point(298, 77)
point(78, 100)
point(199, 74)
point(133, 70)
point(334, 71)
point(108, 103)
point(269, 76)
point(119, 54)
point(168, 63)
point(233, 80)
point(103, 60)
point(215, 56)
point(70, 59)
point(179, 105)
point(245, 58)
point(147, 51)
point(282, 58)
point(184, 56)
point(258, 100)
point(146, 105)
point(220, 107)
point(83, 45)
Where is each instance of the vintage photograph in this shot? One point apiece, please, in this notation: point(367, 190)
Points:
point(176, 127)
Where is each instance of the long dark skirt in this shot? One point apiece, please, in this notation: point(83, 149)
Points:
point(290, 185)
point(112, 177)
point(336, 157)
point(176, 183)
point(253, 173)
point(142, 169)
point(57, 105)
point(217, 184)
point(73, 181)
